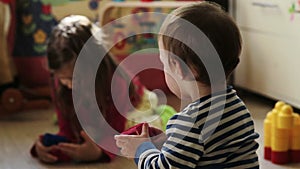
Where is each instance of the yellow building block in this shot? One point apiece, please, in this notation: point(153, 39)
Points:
point(285, 118)
point(281, 140)
point(282, 131)
point(267, 130)
point(295, 136)
point(276, 110)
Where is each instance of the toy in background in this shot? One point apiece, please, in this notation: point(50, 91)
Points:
point(282, 135)
point(18, 100)
point(49, 139)
point(88, 8)
point(14, 98)
point(150, 111)
point(141, 21)
point(34, 22)
point(294, 9)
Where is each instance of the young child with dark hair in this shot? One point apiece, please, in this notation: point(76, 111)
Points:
point(216, 129)
point(65, 43)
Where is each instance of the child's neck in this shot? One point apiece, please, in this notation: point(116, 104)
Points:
point(201, 90)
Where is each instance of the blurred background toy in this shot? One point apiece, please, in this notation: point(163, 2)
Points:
point(16, 100)
point(24, 83)
point(34, 22)
point(151, 112)
point(49, 139)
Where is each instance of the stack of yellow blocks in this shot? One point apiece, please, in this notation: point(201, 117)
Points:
point(282, 135)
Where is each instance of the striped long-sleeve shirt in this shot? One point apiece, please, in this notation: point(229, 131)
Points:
point(215, 131)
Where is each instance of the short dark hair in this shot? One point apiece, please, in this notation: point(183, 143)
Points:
point(220, 29)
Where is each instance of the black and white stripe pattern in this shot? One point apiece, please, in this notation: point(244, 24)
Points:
point(193, 143)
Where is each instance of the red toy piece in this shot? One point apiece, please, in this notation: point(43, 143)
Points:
point(137, 129)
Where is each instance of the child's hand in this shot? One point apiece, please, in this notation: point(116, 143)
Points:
point(159, 140)
point(87, 151)
point(129, 143)
point(43, 152)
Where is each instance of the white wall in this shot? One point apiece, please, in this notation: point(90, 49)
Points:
point(270, 61)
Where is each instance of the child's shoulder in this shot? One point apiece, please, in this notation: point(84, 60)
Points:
point(218, 102)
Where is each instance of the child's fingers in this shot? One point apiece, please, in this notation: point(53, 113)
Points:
point(122, 137)
point(145, 130)
point(123, 152)
point(69, 148)
point(128, 138)
point(68, 145)
point(120, 140)
point(121, 143)
point(70, 151)
point(40, 146)
point(49, 158)
point(43, 148)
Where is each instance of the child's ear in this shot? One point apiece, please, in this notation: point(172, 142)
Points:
point(194, 73)
point(184, 73)
point(177, 67)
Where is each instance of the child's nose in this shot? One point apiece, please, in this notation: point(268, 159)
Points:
point(69, 85)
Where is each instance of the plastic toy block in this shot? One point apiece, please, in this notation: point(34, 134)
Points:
point(267, 135)
point(285, 118)
point(295, 140)
point(281, 135)
point(280, 157)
